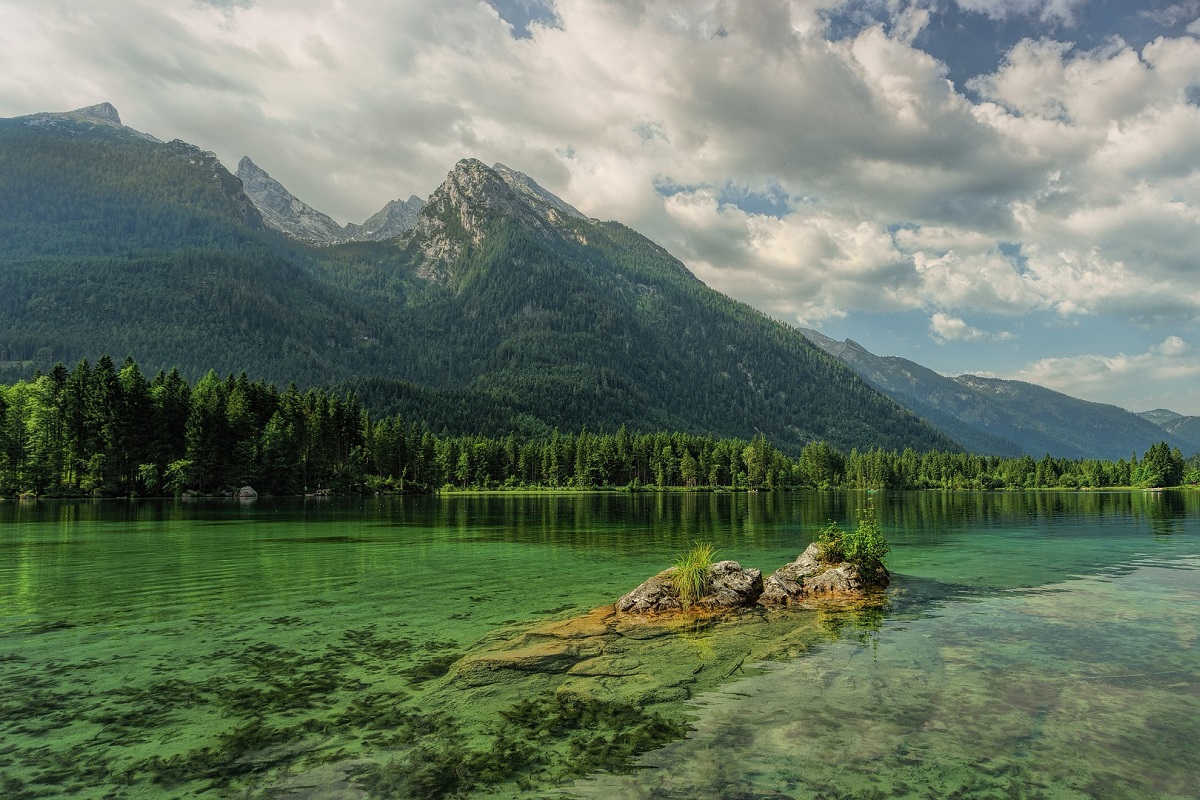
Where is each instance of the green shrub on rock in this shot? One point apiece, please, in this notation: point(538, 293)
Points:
point(865, 547)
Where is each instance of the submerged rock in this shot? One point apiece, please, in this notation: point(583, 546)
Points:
point(548, 649)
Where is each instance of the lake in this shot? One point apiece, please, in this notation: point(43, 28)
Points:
point(1033, 645)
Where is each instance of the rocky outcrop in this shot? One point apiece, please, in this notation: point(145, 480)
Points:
point(807, 580)
point(733, 586)
point(810, 578)
point(102, 114)
point(472, 198)
point(396, 218)
point(653, 596)
point(283, 211)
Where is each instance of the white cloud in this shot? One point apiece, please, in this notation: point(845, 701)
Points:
point(1172, 15)
point(945, 328)
point(1167, 371)
point(1060, 11)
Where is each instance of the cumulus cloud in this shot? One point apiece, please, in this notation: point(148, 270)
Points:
point(1171, 367)
point(1059, 11)
point(1173, 14)
point(945, 328)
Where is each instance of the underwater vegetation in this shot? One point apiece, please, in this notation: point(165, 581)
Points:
point(69, 727)
point(279, 708)
point(546, 740)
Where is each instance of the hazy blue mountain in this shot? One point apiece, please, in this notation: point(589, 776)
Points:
point(1186, 429)
point(990, 415)
point(502, 301)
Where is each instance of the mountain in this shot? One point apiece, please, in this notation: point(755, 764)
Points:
point(580, 322)
point(114, 242)
point(1002, 417)
point(502, 301)
point(283, 211)
point(286, 213)
point(395, 218)
point(91, 117)
point(961, 413)
point(1186, 429)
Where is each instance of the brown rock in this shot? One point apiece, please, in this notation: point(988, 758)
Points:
point(732, 586)
point(548, 657)
point(809, 578)
point(653, 596)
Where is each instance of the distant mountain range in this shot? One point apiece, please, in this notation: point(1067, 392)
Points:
point(1011, 418)
point(1186, 429)
point(497, 299)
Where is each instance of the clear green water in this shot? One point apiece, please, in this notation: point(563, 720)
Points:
point(1035, 645)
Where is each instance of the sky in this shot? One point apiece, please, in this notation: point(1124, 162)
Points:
point(996, 187)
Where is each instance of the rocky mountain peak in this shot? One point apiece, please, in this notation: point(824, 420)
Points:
point(501, 188)
point(285, 212)
point(101, 112)
point(471, 197)
point(525, 185)
point(395, 218)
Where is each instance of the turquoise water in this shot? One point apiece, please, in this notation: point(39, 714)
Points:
point(1034, 645)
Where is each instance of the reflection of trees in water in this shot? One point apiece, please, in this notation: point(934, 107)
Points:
point(1166, 510)
point(673, 520)
point(931, 516)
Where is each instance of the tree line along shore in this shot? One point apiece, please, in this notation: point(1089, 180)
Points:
point(104, 430)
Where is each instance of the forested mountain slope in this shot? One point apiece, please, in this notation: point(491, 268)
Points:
point(503, 298)
point(114, 242)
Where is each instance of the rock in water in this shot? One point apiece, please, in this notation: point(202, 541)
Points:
point(653, 596)
point(732, 586)
point(808, 577)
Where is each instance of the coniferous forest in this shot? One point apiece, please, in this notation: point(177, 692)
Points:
point(100, 429)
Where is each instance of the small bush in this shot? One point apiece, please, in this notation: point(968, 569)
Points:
point(693, 573)
point(864, 547)
point(833, 544)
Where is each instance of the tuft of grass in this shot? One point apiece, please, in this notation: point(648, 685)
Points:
point(693, 573)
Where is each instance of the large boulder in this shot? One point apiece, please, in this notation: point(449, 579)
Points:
point(653, 596)
point(809, 577)
point(732, 586)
